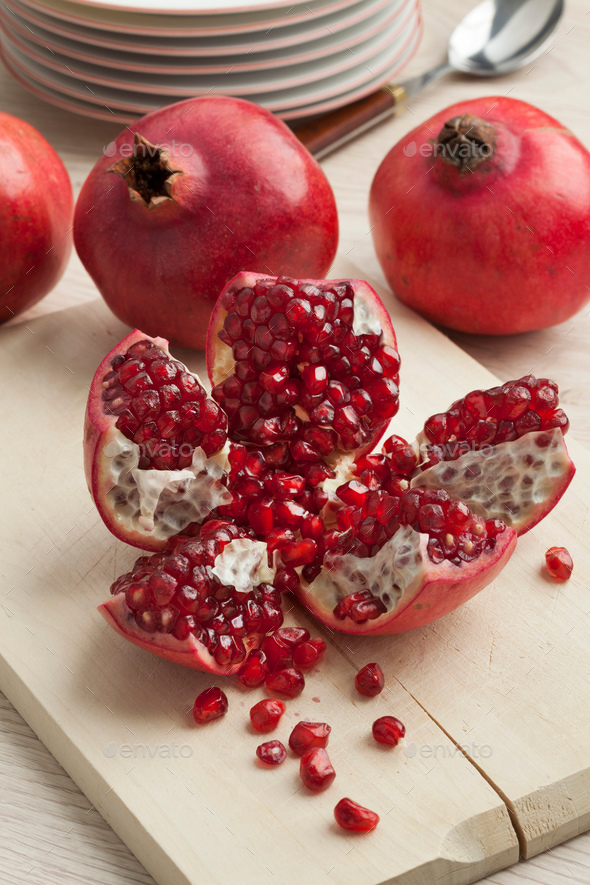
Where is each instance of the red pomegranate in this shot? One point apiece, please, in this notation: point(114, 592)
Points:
point(481, 218)
point(192, 194)
point(36, 208)
point(371, 542)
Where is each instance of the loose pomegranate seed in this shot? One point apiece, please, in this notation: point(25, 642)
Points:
point(265, 715)
point(352, 816)
point(307, 655)
point(369, 680)
point(559, 563)
point(388, 730)
point(272, 753)
point(254, 670)
point(306, 735)
point(316, 770)
point(289, 682)
point(210, 704)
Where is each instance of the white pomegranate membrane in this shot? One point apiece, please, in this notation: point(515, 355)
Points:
point(307, 372)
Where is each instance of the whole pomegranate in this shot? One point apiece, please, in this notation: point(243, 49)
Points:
point(481, 218)
point(36, 208)
point(194, 193)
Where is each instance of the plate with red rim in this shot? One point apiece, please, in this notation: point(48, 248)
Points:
point(292, 103)
point(180, 25)
point(47, 42)
point(225, 80)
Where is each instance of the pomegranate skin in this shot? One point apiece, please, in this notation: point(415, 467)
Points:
point(36, 210)
point(500, 249)
point(249, 193)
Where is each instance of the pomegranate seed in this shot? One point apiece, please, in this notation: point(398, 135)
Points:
point(278, 654)
point(306, 735)
point(352, 816)
point(265, 715)
point(210, 704)
point(299, 553)
point(388, 730)
point(559, 563)
point(369, 680)
point(292, 636)
point(316, 770)
point(254, 670)
point(272, 753)
point(307, 655)
point(288, 682)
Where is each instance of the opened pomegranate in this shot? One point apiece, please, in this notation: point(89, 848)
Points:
point(297, 501)
point(205, 604)
point(190, 195)
point(501, 451)
point(36, 209)
point(481, 218)
point(150, 444)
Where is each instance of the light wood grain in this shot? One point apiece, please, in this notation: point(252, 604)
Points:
point(32, 825)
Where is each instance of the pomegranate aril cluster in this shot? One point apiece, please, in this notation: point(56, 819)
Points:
point(162, 408)
point(489, 417)
point(177, 593)
point(280, 504)
point(293, 345)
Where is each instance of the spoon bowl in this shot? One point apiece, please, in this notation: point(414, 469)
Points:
point(499, 36)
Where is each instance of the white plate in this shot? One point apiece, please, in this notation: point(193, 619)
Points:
point(204, 44)
point(183, 25)
point(81, 106)
point(225, 81)
point(310, 94)
point(308, 51)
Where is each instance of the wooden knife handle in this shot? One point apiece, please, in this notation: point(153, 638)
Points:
point(331, 131)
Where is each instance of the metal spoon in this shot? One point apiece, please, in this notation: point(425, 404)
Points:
point(496, 37)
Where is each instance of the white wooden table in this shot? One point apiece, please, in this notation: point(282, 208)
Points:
point(48, 831)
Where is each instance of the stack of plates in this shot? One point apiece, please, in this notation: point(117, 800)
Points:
point(114, 61)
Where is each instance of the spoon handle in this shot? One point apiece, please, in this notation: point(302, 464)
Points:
point(330, 131)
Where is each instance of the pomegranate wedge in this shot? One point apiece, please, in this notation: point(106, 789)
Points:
point(310, 362)
point(501, 451)
point(152, 444)
point(205, 604)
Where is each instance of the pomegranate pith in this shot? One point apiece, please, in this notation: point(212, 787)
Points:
point(388, 730)
point(316, 770)
point(559, 563)
point(272, 753)
point(306, 735)
point(211, 704)
point(352, 816)
point(370, 680)
point(266, 714)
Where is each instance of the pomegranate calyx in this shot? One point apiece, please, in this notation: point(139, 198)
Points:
point(465, 142)
point(147, 173)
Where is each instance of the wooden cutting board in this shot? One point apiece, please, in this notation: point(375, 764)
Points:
point(505, 677)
